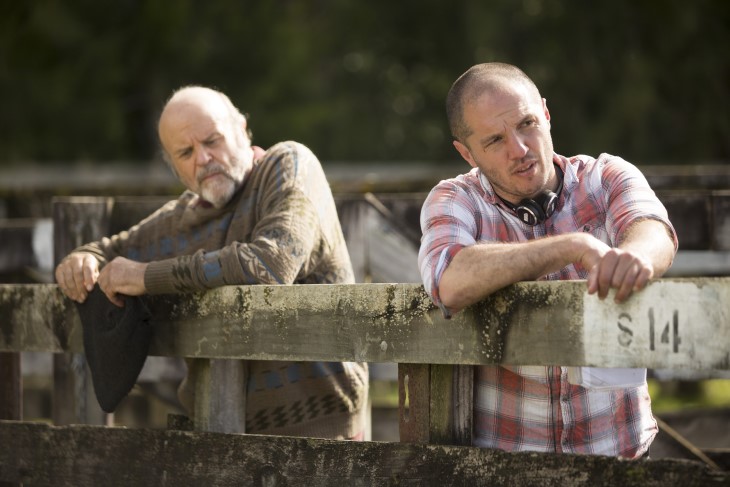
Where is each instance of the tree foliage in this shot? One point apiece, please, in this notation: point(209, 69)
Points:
point(359, 81)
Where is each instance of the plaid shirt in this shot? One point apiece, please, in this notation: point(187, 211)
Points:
point(534, 407)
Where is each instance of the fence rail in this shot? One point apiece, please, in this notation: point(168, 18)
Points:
point(93, 455)
point(674, 323)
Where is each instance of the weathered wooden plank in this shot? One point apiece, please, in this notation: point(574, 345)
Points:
point(691, 214)
point(435, 403)
point(440, 403)
point(537, 323)
point(721, 220)
point(17, 244)
point(220, 395)
point(696, 263)
point(414, 405)
point(11, 386)
point(461, 406)
point(74, 224)
point(687, 176)
point(92, 455)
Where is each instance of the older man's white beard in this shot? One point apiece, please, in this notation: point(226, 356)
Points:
point(218, 190)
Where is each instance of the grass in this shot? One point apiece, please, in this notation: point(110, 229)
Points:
point(665, 396)
point(677, 395)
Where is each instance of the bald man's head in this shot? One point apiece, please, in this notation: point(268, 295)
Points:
point(194, 100)
point(206, 142)
point(484, 78)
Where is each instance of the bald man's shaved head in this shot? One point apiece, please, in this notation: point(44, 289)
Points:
point(476, 81)
point(201, 96)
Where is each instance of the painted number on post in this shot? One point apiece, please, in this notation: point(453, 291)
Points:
point(662, 333)
point(670, 324)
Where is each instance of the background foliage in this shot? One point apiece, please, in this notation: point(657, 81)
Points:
point(363, 81)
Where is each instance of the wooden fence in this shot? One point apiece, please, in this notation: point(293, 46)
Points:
point(668, 325)
point(674, 323)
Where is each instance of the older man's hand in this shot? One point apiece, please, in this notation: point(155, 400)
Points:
point(122, 276)
point(77, 274)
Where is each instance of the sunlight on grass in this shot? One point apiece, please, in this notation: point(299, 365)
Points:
point(665, 396)
point(672, 396)
point(384, 393)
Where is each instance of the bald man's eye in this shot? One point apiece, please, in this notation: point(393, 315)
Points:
point(184, 154)
point(491, 142)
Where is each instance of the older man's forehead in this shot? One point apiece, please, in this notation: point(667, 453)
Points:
point(198, 107)
point(181, 128)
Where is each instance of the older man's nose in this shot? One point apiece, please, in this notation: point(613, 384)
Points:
point(202, 156)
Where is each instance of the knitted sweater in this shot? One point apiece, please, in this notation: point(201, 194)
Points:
point(281, 227)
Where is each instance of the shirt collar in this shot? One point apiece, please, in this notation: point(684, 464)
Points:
point(570, 179)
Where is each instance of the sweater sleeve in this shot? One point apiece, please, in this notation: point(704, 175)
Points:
point(127, 243)
point(285, 240)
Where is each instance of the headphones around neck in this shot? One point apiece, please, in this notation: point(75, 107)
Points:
point(534, 211)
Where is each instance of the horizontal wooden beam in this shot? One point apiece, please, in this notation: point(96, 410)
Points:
point(93, 455)
point(693, 263)
point(674, 323)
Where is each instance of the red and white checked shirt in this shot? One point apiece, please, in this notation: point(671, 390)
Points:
point(535, 408)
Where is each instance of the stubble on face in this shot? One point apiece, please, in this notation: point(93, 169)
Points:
point(503, 113)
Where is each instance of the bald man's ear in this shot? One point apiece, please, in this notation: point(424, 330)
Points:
point(546, 111)
point(465, 153)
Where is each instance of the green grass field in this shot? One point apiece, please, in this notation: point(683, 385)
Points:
point(673, 396)
point(665, 396)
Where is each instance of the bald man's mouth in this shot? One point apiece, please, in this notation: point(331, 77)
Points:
point(526, 169)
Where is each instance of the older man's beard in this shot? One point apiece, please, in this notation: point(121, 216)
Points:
point(219, 190)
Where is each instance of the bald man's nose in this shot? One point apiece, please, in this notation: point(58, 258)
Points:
point(516, 146)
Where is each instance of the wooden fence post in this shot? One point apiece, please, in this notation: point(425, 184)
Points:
point(11, 386)
point(435, 403)
point(76, 221)
point(414, 411)
point(721, 220)
point(220, 395)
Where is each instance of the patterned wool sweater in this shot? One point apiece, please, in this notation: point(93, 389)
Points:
point(281, 227)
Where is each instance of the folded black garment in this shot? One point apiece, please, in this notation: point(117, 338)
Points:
point(116, 343)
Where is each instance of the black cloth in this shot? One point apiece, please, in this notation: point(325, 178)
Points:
point(116, 343)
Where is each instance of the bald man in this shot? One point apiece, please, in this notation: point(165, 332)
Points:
point(248, 216)
point(524, 213)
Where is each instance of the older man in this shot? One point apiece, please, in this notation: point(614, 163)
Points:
point(525, 213)
point(248, 216)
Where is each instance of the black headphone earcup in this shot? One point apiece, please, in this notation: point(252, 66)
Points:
point(536, 211)
point(548, 201)
point(530, 212)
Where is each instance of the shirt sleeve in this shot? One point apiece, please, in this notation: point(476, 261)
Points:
point(629, 198)
point(448, 224)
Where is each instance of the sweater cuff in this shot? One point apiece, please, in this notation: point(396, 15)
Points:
point(157, 277)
